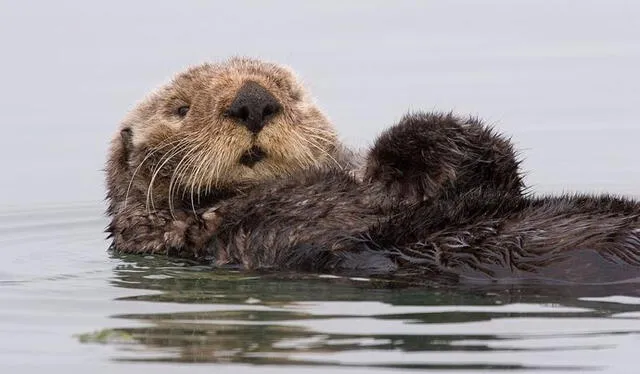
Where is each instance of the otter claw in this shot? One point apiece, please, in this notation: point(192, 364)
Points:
point(210, 213)
point(212, 219)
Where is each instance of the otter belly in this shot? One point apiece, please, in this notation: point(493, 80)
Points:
point(486, 237)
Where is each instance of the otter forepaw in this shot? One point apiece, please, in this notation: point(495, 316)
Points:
point(182, 233)
point(195, 233)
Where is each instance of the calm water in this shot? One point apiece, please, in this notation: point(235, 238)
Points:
point(560, 77)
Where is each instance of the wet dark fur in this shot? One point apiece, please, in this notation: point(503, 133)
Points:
point(478, 229)
point(429, 155)
point(441, 202)
point(484, 236)
point(477, 237)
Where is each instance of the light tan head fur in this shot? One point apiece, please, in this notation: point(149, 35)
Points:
point(163, 154)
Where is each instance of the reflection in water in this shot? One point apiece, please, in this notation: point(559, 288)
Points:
point(285, 319)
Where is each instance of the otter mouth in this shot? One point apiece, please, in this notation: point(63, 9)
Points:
point(253, 156)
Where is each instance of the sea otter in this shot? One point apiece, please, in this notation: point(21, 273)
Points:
point(437, 198)
point(246, 128)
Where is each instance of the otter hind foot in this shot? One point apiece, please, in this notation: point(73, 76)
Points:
point(426, 155)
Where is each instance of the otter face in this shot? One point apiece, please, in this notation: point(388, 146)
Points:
point(219, 127)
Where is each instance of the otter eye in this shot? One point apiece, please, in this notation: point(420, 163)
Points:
point(182, 111)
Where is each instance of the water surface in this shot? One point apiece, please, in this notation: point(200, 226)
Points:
point(68, 303)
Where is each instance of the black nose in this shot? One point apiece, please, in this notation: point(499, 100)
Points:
point(253, 106)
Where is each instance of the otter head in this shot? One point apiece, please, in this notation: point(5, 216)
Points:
point(216, 129)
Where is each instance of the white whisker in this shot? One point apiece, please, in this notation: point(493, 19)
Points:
point(150, 153)
point(174, 151)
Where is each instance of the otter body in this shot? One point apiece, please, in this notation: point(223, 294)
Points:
point(233, 164)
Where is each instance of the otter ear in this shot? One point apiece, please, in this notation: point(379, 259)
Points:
point(126, 135)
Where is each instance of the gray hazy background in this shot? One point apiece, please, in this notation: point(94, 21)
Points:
point(561, 77)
